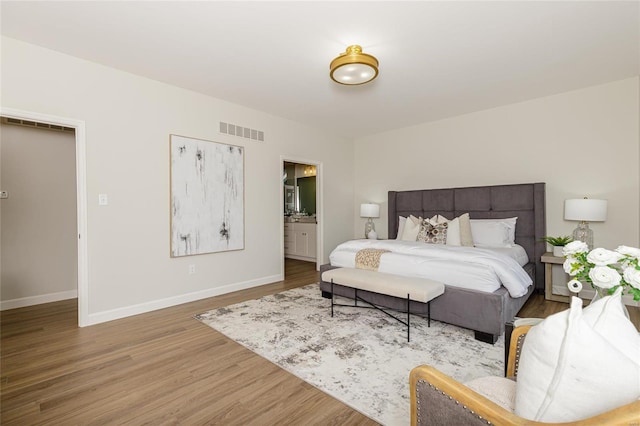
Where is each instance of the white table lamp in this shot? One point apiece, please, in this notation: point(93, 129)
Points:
point(369, 211)
point(585, 210)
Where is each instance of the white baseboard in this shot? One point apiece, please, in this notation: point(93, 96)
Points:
point(296, 257)
point(127, 311)
point(37, 300)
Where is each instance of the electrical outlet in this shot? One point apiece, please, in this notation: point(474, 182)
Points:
point(192, 269)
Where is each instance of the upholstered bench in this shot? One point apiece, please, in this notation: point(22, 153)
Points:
point(409, 288)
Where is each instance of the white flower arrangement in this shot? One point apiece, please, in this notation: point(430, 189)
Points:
point(605, 270)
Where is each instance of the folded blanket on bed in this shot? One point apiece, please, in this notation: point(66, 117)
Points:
point(369, 258)
point(465, 267)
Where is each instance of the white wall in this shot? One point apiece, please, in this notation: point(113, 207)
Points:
point(128, 121)
point(581, 143)
point(39, 231)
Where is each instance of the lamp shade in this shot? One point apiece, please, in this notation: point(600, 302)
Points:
point(369, 210)
point(585, 209)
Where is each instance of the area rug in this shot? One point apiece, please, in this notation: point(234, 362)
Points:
point(360, 356)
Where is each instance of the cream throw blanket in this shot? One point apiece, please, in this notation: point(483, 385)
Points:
point(369, 258)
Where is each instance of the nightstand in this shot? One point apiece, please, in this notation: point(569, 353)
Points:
point(549, 260)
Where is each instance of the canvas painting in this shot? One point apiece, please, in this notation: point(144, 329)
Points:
point(207, 196)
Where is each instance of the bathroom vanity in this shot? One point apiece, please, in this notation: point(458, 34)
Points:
point(300, 238)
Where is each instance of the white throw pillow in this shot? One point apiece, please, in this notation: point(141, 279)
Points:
point(459, 232)
point(411, 229)
point(416, 220)
point(453, 232)
point(437, 219)
point(607, 318)
point(466, 237)
point(401, 221)
point(568, 371)
point(494, 232)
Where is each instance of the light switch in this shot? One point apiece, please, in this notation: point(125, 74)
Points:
point(103, 199)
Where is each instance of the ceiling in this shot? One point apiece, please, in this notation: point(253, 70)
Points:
point(437, 58)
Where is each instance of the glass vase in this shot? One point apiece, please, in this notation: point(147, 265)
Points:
point(600, 293)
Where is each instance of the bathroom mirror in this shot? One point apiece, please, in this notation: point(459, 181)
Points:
point(299, 182)
point(307, 194)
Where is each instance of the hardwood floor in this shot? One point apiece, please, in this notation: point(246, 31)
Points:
point(162, 367)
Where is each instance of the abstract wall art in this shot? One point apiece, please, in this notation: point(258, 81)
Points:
point(207, 196)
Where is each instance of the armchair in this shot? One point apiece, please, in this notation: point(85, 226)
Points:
point(437, 399)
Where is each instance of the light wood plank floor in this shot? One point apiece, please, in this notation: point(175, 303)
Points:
point(163, 367)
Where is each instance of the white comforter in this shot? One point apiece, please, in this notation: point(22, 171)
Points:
point(467, 267)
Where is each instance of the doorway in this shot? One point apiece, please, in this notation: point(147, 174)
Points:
point(80, 234)
point(301, 212)
point(38, 213)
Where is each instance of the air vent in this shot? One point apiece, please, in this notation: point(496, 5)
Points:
point(241, 131)
point(27, 123)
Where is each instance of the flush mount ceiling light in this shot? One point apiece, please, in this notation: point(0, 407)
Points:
point(354, 67)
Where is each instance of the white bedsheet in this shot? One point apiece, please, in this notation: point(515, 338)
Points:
point(475, 268)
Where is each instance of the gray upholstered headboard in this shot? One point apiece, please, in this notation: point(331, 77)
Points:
point(526, 201)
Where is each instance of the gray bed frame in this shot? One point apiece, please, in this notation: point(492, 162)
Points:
point(484, 313)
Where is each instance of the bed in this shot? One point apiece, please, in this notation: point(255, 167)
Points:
point(483, 312)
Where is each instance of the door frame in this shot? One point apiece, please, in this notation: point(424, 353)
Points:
point(319, 208)
point(81, 197)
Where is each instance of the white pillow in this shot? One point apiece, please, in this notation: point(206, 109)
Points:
point(453, 233)
point(608, 319)
point(437, 219)
point(401, 221)
point(494, 232)
point(459, 232)
point(416, 220)
point(411, 229)
point(466, 237)
point(568, 371)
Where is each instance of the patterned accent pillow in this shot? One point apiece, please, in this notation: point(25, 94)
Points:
point(434, 233)
point(425, 228)
point(438, 233)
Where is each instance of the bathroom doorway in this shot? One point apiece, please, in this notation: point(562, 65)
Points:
point(301, 212)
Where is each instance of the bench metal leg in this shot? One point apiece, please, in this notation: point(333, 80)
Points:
point(332, 296)
point(408, 316)
point(374, 306)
